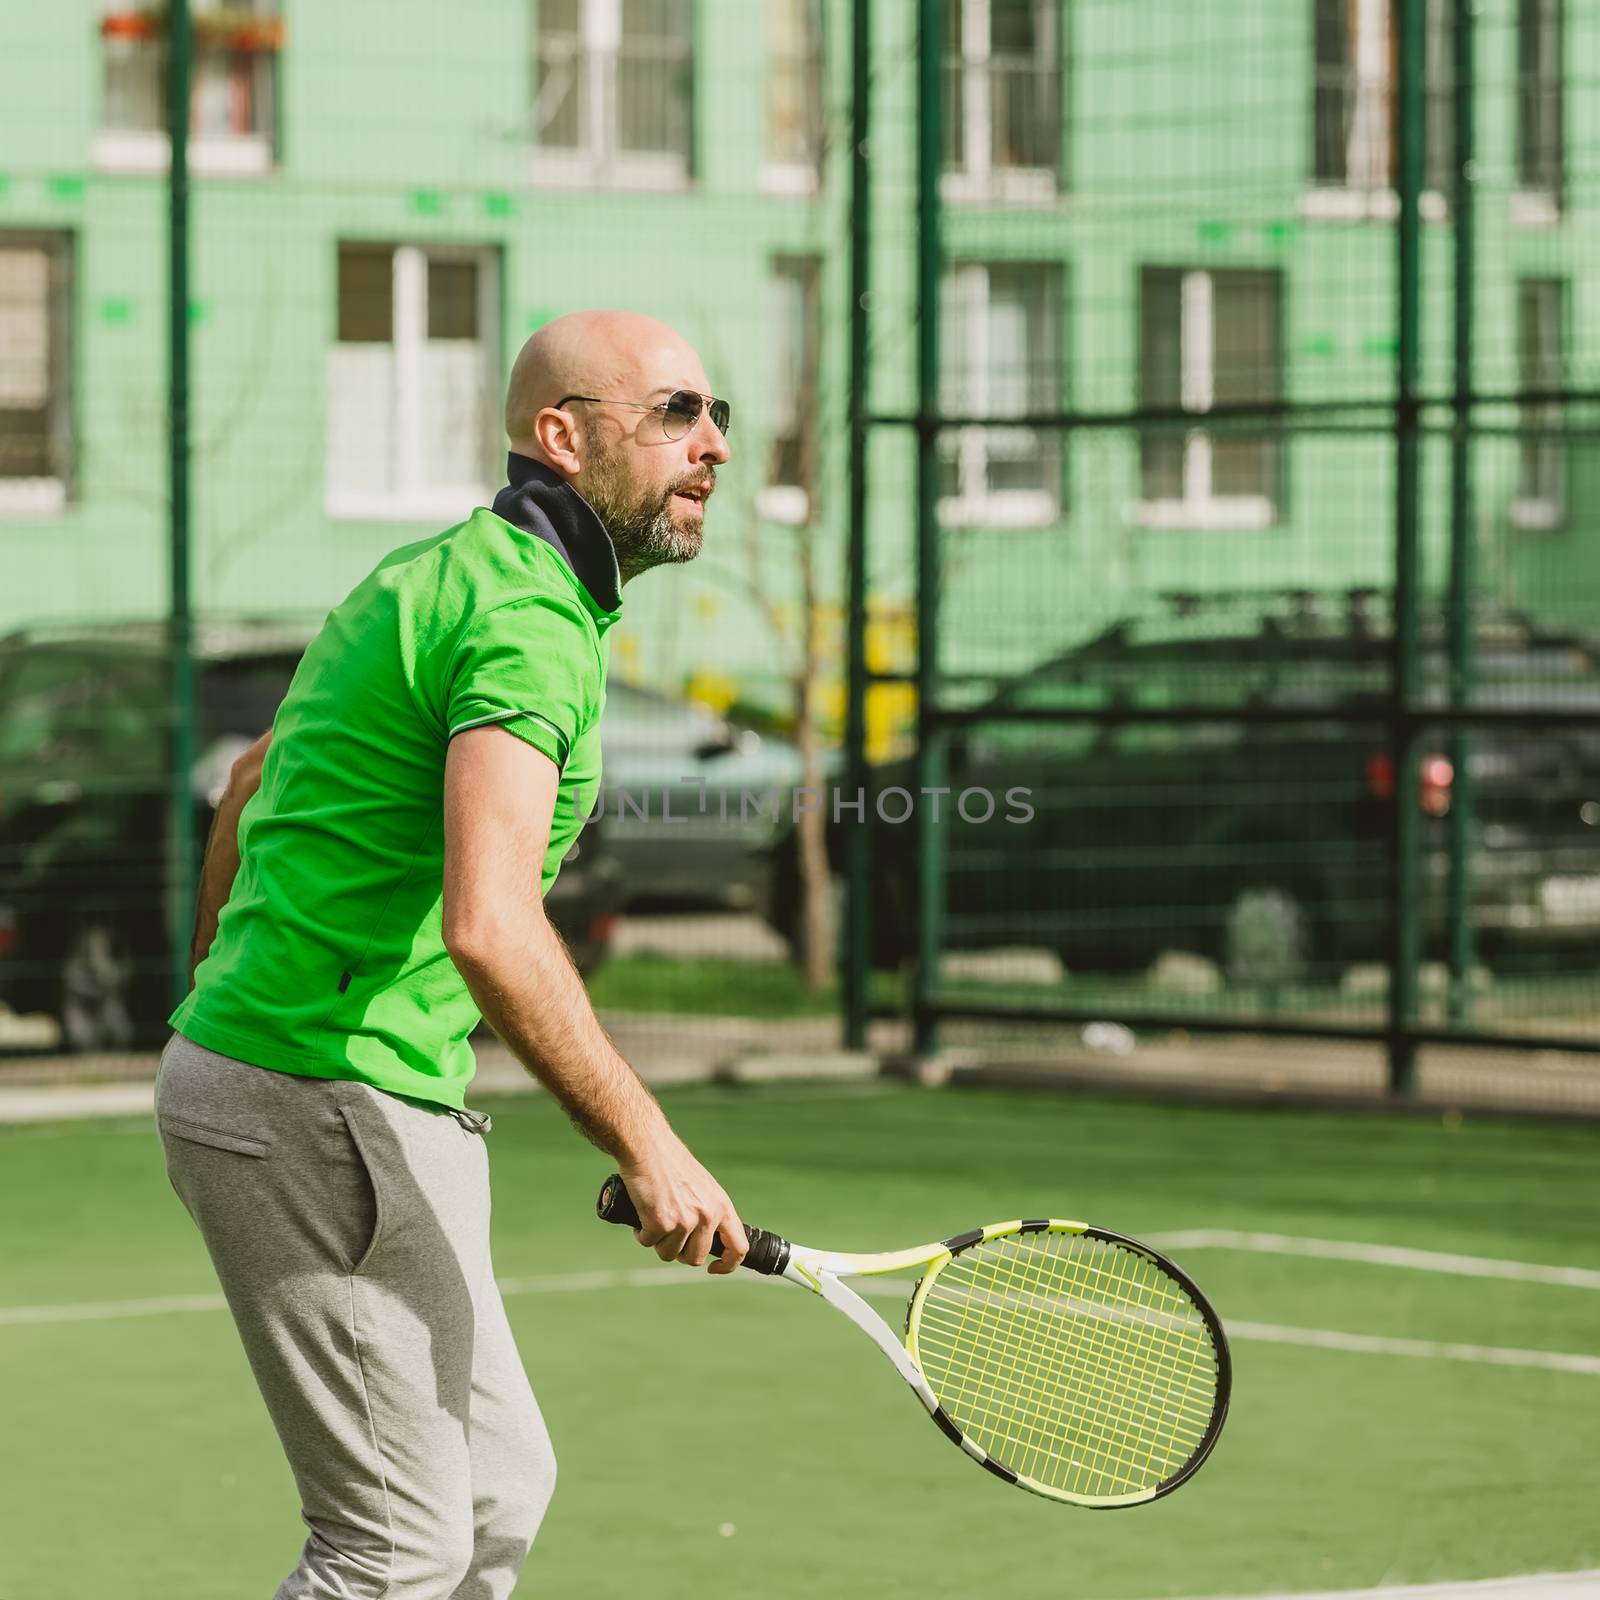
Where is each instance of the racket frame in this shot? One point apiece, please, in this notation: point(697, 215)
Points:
point(821, 1272)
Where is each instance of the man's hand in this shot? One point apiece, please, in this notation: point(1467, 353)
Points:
point(680, 1207)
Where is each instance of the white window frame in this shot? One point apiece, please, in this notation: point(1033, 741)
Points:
point(977, 178)
point(1370, 197)
point(975, 504)
point(148, 152)
point(1541, 513)
point(802, 178)
point(32, 497)
point(600, 162)
point(407, 497)
point(45, 496)
point(788, 503)
point(1199, 508)
point(785, 503)
point(1534, 208)
point(1541, 206)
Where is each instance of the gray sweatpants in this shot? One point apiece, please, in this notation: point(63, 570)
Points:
point(350, 1231)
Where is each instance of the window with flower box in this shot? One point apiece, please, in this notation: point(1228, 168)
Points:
point(233, 100)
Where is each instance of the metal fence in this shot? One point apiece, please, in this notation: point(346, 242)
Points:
point(1248, 412)
point(264, 269)
point(1208, 386)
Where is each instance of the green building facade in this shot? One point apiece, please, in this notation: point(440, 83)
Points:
point(1147, 204)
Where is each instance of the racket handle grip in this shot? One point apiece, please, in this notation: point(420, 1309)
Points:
point(768, 1253)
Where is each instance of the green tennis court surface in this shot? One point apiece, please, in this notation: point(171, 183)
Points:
point(1395, 1420)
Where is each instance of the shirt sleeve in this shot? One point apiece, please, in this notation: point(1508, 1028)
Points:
point(530, 665)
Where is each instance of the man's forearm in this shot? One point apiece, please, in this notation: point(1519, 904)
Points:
point(217, 873)
point(525, 984)
point(221, 864)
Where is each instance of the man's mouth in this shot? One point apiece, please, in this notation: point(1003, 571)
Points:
point(697, 493)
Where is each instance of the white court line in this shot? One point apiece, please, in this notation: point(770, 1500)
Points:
point(665, 1277)
point(1536, 1586)
point(1378, 1255)
point(109, 1310)
point(662, 1277)
point(1426, 1349)
point(116, 1310)
point(1369, 1344)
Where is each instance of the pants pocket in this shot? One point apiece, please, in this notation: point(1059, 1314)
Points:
point(374, 1191)
point(219, 1139)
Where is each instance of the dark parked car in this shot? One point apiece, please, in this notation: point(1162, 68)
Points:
point(84, 855)
point(697, 808)
point(1263, 845)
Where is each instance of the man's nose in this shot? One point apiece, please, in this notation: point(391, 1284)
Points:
point(709, 441)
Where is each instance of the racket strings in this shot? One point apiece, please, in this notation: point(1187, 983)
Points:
point(1021, 1347)
point(1047, 1419)
point(1032, 1419)
point(1020, 1339)
point(1074, 1361)
point(1123, 1443)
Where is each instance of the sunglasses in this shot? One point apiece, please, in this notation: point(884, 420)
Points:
point(680, 411)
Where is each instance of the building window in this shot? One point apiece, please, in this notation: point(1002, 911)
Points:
point(1002, 101)
point(1208, 339)
point(614, 92)
point(1000, 332)
point(35, 399)
point(796, 320)
point(1541, 500)
point(1541, 143)
point(233, 100)
point(1357, 105)
point(795, 126)
point(413, 382)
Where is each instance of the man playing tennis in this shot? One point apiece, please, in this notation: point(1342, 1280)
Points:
point(429, 768)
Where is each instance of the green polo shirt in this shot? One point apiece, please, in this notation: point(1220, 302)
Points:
point(329, 959)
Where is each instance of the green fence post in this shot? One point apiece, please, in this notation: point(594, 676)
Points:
point(1403, 666)
point(1461, 537)
point(181, 832)
point(930, 747)
point(856, 946)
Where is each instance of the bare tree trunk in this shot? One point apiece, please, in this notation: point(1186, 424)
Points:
point(813, 922)
point(815, 879)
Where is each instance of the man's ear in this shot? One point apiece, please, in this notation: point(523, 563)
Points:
point(557, 434)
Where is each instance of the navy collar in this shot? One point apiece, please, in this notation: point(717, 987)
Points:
point(541, 502)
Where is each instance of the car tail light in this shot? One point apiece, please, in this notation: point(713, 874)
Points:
point(603, 929)
point(1435, 776)
point(8, 930)
point(1433, 787)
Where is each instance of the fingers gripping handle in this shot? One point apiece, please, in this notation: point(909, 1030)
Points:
point(768, 1253)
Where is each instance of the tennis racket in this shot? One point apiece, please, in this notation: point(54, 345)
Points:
point(1072, 1362)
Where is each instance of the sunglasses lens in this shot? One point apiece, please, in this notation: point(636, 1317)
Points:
point(721, 415)
point(683, 411)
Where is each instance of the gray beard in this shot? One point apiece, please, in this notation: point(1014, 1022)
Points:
point(645, 533)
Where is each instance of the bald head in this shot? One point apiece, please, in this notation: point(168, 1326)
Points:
point(648, 479)
point(594, 352)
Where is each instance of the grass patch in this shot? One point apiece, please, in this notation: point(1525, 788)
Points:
point(148, 1455)
point(719, 987)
